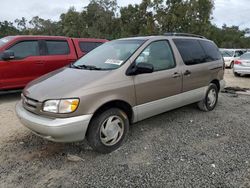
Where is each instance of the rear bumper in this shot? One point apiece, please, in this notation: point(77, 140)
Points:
point(241, 69)
point(58, 129)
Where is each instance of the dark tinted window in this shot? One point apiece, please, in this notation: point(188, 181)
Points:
point(25, 48)
point(211, 50)
point(159, 54)
point(238, 53)
point(191, 51)
point(57, 47)
point(86, 47)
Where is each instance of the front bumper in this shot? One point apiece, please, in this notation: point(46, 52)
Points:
point(57, 129)
point(241, 69)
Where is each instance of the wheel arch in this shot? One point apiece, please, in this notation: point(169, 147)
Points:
point(124, 106)
point(217, 83)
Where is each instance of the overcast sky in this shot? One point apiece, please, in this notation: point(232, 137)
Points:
point(230, 12)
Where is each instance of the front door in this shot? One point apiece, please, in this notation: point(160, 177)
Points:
point(153, 90)
point(26, 66)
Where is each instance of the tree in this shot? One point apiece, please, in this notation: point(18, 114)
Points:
point(104, 19)
point(71, 23)
point(41, 26)
point(7, 28)
point(21, 24)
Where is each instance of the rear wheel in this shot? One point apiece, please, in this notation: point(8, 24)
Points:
point(231, 65)
point(210, 100)
point(236, 74)
point(108, 130)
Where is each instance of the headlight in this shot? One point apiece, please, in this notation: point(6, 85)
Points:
point(61, 106)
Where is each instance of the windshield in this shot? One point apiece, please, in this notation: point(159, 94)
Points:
point(108, 56)
point(4, 40)
point(227, 53)
point(245, 56)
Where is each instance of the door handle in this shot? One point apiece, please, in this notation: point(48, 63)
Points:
point(40, 63)
point(187, 73)
point(176, 75)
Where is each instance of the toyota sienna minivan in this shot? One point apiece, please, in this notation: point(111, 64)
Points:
point(119, 83)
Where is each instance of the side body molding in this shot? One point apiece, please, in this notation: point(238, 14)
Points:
point(153, 108)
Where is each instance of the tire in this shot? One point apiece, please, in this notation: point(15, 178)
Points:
point(231, 65)
point(236, 74)
point(209, 103)
point(104, 135)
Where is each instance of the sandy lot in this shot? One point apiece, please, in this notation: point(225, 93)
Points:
point(181, 148)
point(232, 81)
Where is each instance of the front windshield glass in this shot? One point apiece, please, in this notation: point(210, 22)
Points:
point(4, 40)
point(227, 53)
point(245, 56)
point(110, 55)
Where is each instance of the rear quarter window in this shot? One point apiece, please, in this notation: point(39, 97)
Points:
point(191, 51)
point(211, 50)
point(86, 47)
point(57, 47)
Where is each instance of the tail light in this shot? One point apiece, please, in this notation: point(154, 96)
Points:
point(237, 62)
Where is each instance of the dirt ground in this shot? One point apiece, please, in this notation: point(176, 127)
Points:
point(180, 148)
point(232, 81)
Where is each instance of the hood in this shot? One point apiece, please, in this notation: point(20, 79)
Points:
point(63, 83)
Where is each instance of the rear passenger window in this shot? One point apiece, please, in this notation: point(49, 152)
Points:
point(25, 49)
point(238, 53)
point(191, 51)
point(86, 47)
point(57, 47)
point(159, 54)
point(211, 50)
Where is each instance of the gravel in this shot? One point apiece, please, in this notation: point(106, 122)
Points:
point(180, 148)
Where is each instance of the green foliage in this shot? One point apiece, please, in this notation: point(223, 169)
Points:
point(104, 19)
point(7, 28)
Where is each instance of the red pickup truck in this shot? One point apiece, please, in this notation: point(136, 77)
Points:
point(24, 58)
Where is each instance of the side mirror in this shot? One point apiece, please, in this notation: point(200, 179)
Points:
point(8, 55)
point(140, 68)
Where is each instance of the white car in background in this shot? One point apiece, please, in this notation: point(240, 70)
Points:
point(231, 55)
point(242, 65)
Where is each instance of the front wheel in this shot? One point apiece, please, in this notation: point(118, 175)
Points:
point(210, 100)
point(108, 130)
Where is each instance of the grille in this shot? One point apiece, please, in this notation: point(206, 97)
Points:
point(31, 105)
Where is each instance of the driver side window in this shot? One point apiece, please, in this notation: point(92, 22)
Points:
point(158, 54)
point(25, 48)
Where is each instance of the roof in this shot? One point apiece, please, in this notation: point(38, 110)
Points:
point(37, 36)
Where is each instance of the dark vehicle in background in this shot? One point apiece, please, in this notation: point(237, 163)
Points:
point(25, 58)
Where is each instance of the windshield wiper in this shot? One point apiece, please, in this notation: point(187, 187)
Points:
point(88, 67)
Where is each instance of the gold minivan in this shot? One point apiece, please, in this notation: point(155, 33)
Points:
point(119, 83)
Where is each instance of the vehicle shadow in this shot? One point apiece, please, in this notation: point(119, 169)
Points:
point(9, 96)
point(33, 147)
